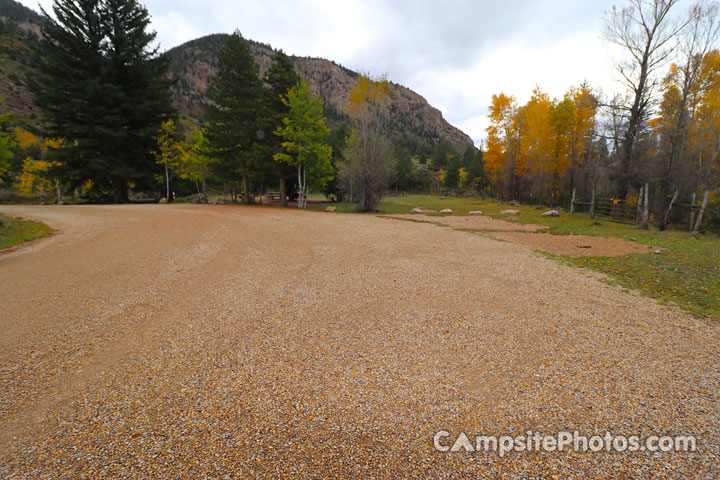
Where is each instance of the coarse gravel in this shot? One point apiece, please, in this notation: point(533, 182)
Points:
point(199, 341)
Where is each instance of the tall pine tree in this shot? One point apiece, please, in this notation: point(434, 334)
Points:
point(102, 88)
point(235, 116)
point(280, 78)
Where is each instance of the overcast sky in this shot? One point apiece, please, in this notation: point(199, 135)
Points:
point(455, 53)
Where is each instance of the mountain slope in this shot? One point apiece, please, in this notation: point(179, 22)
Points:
point(416, 125)
point(19, 30)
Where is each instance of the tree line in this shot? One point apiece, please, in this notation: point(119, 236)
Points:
point(108, 126)
point(663, 131)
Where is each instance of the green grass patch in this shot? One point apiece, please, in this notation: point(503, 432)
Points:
point(17, 230)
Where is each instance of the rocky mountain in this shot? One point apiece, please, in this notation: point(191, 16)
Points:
point(416, 125)
point(19, 30)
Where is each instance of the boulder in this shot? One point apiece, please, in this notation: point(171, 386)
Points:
point(163, 200)
point(475, 212)
point(445, 211)
point(61, 202)
point(330, 209)
point(220, 201)
point(550, 213)
point(510, 212)
point(657, 252)
point(195, 200)
point(416, 210)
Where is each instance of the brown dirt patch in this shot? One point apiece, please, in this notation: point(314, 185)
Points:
point(575, 245)
point(473, 222)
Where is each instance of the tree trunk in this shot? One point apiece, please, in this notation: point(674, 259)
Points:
point(167, 183)
point(592, 204)
point(692, 211)
point(702, 210)
point(646, 208)
point(638, 214)
point(246, 193)
point(666, 217)
point(283, 192)
point(121, 195)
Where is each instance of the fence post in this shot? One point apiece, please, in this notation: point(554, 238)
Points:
point(646, 209)
point(692, 211)
point(702, 210)
point(572, 203)
point(666, 218)
point(638, 214)
point(592, 204)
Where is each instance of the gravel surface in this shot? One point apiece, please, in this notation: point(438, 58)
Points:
point(189, 341)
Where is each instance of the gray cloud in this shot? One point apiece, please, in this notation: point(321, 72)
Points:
point(455, 53)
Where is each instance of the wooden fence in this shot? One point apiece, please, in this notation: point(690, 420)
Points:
point(638, 211)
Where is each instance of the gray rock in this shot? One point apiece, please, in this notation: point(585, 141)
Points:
point(220, 202)
point(163, 200)
point(445, 211)
point(550, 213)
point(657, 252)
point(195, 200)
point(475, 212)
point(416, 210)
point(510, 212)
point(61, 202)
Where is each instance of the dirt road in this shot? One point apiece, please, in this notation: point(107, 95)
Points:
point(235, 342)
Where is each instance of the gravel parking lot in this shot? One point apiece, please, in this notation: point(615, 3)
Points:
point(188, 341)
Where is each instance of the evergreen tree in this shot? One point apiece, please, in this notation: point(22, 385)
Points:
point(103, 90)
point(476, 173)
point(452, 174)
point(236, 112)
point(404, 173)
point(337, 139)
point(444, 152)
point(280, 78)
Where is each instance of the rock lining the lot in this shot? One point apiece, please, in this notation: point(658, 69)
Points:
point(550, 213)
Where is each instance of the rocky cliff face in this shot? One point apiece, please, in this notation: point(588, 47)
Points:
point(416, 125)
point(19, 30)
